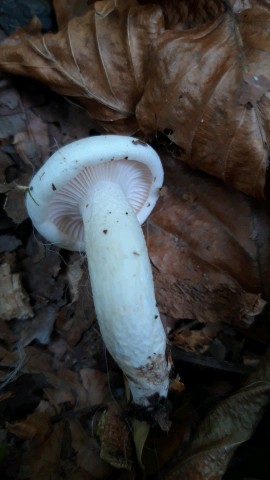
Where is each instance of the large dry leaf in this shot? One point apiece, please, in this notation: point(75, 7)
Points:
point(98, 59)
point(209, 87)
point(231, 423)
point(210, 248)
point(183, 14)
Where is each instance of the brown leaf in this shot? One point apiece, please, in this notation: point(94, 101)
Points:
point(231, 423)
point(76, 317)
point(41, 326)
point(96, 385)
point(199, 78)
point(33, 145)
point(15, 206)
point(211, 257)
point(183, 14)
point(43, 461)
point(35, 427)
point(42, 268)
point(114, 37)
point(114, 434)
point(87, 452)
point(14, 302)
point(65, 10)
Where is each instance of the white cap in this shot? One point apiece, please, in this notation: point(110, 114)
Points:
point(58, 188)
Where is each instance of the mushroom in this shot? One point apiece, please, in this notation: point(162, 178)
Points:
point(92, 195)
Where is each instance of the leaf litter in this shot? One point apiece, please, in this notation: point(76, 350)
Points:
point(63, 409)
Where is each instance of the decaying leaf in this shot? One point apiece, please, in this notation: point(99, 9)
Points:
point(231, 423)
point(209, 90)
point(14, 302)
point(114, 434)
point(87, 452)
point(211, 258)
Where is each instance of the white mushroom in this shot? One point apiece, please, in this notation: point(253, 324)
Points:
point(92, 196)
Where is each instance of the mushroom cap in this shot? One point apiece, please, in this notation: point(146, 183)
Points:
point(58, 188)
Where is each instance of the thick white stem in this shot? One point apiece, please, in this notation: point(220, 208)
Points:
point(123, 290)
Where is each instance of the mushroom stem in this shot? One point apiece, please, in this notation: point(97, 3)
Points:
point(123, 291)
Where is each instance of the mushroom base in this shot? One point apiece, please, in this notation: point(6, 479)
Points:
point(157, 413)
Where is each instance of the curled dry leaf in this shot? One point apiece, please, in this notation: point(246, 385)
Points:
point(230, 424)
point(211, 257)
point(210, 88)
point(98, 59)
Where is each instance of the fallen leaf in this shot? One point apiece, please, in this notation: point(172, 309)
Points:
point(183, 14)
point(211, 257)
point(42, 266)
point(96, 386)
point(43, 461)
point(15, 206)
point(14, 302)
point(192, 339)
point(87, 452)
point(35, 427)
point(76, 318)
point(196, 85)
point(113, 36)
point(74, 276)
point(65, 10)
point(41, 326)
point(227, 426)
point(9, 243)
point(114, 435)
